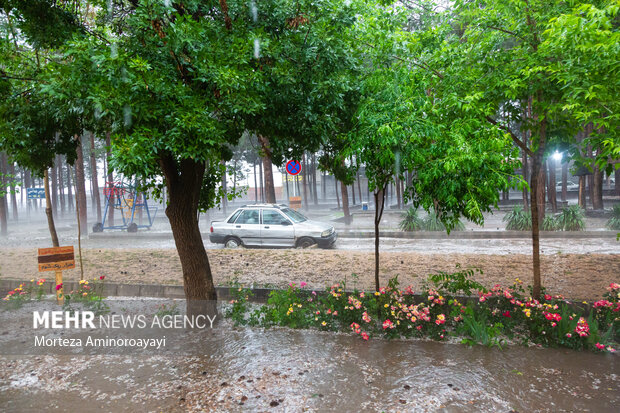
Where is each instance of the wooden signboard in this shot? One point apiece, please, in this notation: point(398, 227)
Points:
point(57, 259)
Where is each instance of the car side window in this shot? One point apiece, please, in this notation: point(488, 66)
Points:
point(272, 217)
point(235, 215)
point(248, 216)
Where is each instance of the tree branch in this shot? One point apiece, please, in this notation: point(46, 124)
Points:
point(514, 137)
point(503, 30)
point(5, 76)
point(420, 65)
point(227, 20)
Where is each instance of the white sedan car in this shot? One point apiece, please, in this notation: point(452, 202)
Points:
point(271, 225)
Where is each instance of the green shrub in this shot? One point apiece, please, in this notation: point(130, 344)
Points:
point(411, 221)
point(518, 219)
point(614, 221)
point(550, 223)
point(480, 330)
point(571, 218)
point(432, 223)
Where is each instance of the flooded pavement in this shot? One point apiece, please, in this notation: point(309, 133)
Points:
point(249, 369)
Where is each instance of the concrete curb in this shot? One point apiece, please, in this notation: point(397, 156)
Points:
point(134, 290)
point(260, 295)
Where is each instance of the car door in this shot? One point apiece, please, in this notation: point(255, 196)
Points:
point(276, 229)
point(247, 227)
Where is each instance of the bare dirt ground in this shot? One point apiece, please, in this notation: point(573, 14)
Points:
point(578, 276)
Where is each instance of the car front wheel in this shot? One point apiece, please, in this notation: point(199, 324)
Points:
point(305, 242)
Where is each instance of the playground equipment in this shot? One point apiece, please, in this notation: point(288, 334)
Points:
point(128, 200)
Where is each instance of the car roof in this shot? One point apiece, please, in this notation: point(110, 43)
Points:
point(276, 206)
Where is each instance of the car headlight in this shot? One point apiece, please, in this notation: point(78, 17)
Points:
point(326, 233)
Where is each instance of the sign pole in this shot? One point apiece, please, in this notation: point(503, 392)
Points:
point(60, 298)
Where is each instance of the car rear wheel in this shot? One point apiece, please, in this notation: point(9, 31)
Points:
point(305, 242)
point(232, 242)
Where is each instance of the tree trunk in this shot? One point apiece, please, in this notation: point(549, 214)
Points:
point(61, 184)
point(224, 188)
point(27, 182)
point(379, 204)
point(617, 181)
point(3, 204)
point(582, 192)
point(345, 204)
point(551, 191)
point(359, 186)
point(80, 188)
point(536, 221)
point(235, 176)
point(337, 195)
point(315, 196)
point(54, 192)
point(564, 181)
point(256, 186)
point(304, 179)
point(526, 167)
point(398, 194)
point(597, 189)
point(69, 188)
point(270, 190)
point(260, 172)
point(48, 210)
point(11, 170)
point(288, 191)
point(110, 179)
point(22, 186)
point(324, 186)
point(542, 186)
point(184, 181)
point(535, 199)
point(94, 174)
point(590, 188)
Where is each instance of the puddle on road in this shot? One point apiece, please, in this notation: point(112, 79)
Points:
point(249, 369)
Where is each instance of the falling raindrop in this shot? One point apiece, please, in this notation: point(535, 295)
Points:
point(347, 3)
point(110, 8)
point(254, 11)
point(113, 51)
point(167, 3)
point(124, 76)
point(127, 116)
point(256, 48)
point(97, 112)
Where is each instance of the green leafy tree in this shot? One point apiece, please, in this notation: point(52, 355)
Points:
point(457, 165)
point(32, 127)
point(178, 84)
point(495, 63)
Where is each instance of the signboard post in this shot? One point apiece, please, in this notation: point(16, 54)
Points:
point(57, 259)
point(293, 168)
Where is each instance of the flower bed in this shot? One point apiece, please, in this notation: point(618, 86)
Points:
point(90, 293)
point(497, 316)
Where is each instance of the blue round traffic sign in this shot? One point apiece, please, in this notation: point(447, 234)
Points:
point(293, 167)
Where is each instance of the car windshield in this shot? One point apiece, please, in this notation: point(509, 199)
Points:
point(294, 215)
